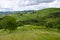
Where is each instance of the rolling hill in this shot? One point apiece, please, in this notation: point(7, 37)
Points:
point(34, 25)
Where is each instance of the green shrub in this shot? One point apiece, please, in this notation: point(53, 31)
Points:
point(9, 23)
point(58, 27)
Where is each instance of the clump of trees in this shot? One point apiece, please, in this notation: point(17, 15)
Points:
point(53, 21)
point(9, 23)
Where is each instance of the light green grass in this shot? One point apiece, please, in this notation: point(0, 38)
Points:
point(31, 35)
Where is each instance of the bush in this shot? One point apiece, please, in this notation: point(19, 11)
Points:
point(58, 27)
point(9, 23)
point(1, 27)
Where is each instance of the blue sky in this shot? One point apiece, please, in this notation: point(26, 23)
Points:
point(20, 5)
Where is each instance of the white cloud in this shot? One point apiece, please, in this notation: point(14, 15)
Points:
point(5, 4)
point(19, 5)
point(55, 4)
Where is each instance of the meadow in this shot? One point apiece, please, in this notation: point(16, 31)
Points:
point(33, 34)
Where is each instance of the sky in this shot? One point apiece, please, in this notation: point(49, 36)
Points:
point(21, 5)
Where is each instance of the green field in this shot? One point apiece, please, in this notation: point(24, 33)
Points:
point(30, 35)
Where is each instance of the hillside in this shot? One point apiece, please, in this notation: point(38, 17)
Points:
point(39, 16)
point(39, 13)
point(31, 25)
point(44, 17)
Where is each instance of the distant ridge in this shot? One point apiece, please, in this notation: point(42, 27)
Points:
point(42, 10)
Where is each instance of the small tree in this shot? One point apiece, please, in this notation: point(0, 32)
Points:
point(9, 23)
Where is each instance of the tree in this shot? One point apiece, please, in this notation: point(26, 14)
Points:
point(9, 23)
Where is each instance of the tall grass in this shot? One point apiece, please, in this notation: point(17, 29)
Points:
point(31, 35)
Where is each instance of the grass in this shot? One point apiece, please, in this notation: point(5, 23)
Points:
point(30, 35)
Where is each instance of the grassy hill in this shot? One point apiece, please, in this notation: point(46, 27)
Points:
point(35, 14)
point(39, 17)
point(34, 25)
point(44, 17)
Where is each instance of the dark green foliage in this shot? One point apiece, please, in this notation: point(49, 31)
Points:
point(53, 20)
point(9, 23)
point(0, 24)
point(54, 15)
point(31, 21)
point(58, 27)
point(1, 27)
point(49, 25)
